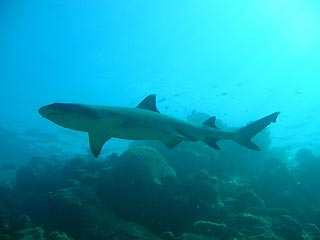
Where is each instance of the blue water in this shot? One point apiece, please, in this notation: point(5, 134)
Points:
point(237, 60)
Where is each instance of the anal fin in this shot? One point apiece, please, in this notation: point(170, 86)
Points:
point(212, 142)
point(172, 142)
point(96, 143)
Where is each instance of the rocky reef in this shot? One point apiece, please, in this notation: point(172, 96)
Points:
point(150, 192)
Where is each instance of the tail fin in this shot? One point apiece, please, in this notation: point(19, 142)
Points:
point(244, 135)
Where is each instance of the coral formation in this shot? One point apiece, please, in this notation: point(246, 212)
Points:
point(150, 193)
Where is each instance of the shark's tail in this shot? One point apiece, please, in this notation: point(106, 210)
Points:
point(243, 135)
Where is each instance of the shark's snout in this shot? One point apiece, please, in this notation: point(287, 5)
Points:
point(48, 111)
point(42, 111)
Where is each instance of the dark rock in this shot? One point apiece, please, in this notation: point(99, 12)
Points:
point(247, 199)
point(69, 206)
point(81, 197)
point(6, 190)
point(168, 236)
point(308, 175)
point(58, 236)
point(35, 233)
point(136, 188)
point(6, 237)
point(4, 222)
point(296, 203)
point(209, 228)
point(143, 165)
point(273, 179)
point(268, 236)
point(314, 217)
point(24, 222)
point(191, 236)
point(40, 175)
point(276, 212)
point(78, 212)
point(200, 188)
point(188, 158)
point(90, 180)
point(287, 227)
point(311, 232)
point(248, 225)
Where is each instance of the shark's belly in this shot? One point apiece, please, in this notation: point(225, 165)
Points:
point(138, 132)
point(150, 127)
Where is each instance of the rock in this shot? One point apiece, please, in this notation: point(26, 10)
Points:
point(106, 225)
point(307, 172)
point(4, 222)
point(168, 236)
point(6, 189)
point(189, 157)
point(77, 211)
point(135, 187)
point(275, 179)
point(24, 222)
point(200, 189)
point(311, 232)
point(263, 237)
point(209, 228)
point(142, 165)
point(247, 199)
point(276, 212)
point(191, 236)
point(39, 175)
point(6, 237)
point(69, 205)
point(287, 227)
point(35, 233)
point(58, 236)
point(248, 225)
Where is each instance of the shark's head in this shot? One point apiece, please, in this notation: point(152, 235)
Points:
point(74, 116)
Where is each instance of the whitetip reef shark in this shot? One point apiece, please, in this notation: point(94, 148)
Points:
point(145, 122)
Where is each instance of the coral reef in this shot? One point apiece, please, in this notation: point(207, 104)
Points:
point(151, 193)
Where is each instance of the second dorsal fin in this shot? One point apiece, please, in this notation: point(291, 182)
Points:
point(210, 122)
point(149, 103)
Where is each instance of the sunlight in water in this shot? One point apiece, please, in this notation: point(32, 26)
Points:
point(296, 21)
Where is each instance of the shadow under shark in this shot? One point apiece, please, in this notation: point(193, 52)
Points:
point(145, 122)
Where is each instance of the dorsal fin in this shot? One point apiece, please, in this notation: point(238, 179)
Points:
point(149, 103)
point(210, 122)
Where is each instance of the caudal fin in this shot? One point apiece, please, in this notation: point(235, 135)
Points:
point(244, 135)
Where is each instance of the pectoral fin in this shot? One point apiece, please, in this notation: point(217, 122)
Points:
point(96, 142)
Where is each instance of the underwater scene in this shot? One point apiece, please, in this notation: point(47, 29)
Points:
point(160, 120)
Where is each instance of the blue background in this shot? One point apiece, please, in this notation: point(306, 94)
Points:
point(237, 60)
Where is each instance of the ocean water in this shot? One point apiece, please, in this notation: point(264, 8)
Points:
point(236, 60)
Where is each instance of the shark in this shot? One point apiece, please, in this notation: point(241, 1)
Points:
point(145, 122)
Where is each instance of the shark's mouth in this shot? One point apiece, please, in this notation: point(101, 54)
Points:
point(48, 113)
